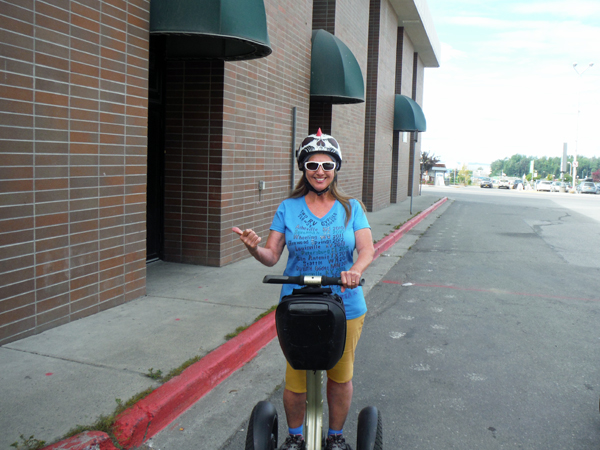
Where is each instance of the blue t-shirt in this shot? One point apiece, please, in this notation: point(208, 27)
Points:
point(323, 247)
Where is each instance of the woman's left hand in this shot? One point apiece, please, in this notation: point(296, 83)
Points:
point(350, 279)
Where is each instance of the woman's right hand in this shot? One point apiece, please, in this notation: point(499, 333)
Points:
point(249, 238)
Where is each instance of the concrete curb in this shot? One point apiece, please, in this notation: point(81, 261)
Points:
point(96, 440)
point(152, 414)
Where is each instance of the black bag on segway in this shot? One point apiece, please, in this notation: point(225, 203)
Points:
point(311, 327)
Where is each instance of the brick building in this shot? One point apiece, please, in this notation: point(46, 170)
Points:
point(120, 144)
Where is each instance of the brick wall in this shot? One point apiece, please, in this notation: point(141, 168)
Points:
point(381, 76)
point(417, 95)
point(321, 117)
point(404, 84)
point(73, 137)
point(324, 15)
point(257, 125)
point(73, 111)
point(193, 161)
point(229, 126)
point(352, 27)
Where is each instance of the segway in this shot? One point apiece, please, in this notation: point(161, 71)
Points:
point(311, 327)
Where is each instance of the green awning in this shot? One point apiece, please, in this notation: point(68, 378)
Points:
point(408, 115)
point(335, 76)
point(212, 29)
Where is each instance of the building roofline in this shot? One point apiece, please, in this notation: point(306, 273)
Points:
point(415, 18)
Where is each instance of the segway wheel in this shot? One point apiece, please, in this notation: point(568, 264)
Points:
point(262, 428)
point(370, 429)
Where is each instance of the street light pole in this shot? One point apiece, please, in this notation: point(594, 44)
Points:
point(580, 73)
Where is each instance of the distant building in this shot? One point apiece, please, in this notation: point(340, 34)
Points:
point(437, 170)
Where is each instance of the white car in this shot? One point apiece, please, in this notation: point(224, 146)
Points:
point(544, 185)
point(504, 183)
point(586, 187)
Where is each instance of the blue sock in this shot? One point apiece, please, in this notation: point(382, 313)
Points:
point(298, 430)
point(330, 432)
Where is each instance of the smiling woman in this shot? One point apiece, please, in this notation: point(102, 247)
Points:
point(321, 227)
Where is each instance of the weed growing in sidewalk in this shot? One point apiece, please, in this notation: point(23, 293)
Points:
point(239, 329)
point(154, 375)
point(105, 423)
point(28, 444)
point(267, 312)
point(397, 227)
point(178, 370)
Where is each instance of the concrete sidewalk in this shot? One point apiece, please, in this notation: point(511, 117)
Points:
point(72, 374)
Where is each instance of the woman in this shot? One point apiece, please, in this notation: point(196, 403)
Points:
point(321, 227)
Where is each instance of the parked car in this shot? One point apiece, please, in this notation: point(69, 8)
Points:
point(516, 184)
point(586, 187)
point(558, 186)
point(597, 188)
point(486, 183)
point(543, 185)
point(504, 183)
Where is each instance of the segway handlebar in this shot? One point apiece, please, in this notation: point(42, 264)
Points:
point(306, 280)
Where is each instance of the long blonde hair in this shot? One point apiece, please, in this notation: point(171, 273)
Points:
point(301, 190)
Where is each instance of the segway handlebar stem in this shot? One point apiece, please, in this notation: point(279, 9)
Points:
point(305, 280)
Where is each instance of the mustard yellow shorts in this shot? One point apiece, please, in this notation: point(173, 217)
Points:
point(295, 380)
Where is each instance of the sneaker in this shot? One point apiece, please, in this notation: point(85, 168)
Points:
point(336, 442)
point(294, 442)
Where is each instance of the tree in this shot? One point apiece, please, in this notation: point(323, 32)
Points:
point(517, 165)
point(464, 175)
point(428, 161)
point(596, 176)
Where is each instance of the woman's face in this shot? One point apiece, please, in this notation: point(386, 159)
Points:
point(320, 179)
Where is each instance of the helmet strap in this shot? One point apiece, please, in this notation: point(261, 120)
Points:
point(311, 187)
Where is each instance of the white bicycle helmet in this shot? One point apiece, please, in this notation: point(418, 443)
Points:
point(319, 143)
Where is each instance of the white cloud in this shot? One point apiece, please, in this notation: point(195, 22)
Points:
point(572, 8)
point(477, 21)
point(449, 53)
point(506, 83)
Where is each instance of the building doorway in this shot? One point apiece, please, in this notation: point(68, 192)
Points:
point(155, 181)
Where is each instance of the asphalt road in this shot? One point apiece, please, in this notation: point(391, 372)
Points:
point(485, 334)
point(495, 344)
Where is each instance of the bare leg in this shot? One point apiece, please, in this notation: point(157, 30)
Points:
point(295, 405)
point(339, 397)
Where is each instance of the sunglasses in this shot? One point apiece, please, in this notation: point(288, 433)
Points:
point(313, 166)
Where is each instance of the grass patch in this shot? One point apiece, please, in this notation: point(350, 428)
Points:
point(397, 227)
point(29, 443)
point(239, 329)
point(177, 371)
point(105, 423)
point(267, 312)
point(154, 375)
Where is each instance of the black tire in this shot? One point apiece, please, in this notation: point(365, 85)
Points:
point(369, 435)
point(262, 428)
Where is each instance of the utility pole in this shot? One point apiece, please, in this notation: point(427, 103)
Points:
point(575, 163)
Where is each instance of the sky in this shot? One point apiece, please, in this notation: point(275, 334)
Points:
point(506, 83)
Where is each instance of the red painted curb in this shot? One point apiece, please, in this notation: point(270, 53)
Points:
point(161, 407)
point(385, 243)
point(85, 441)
